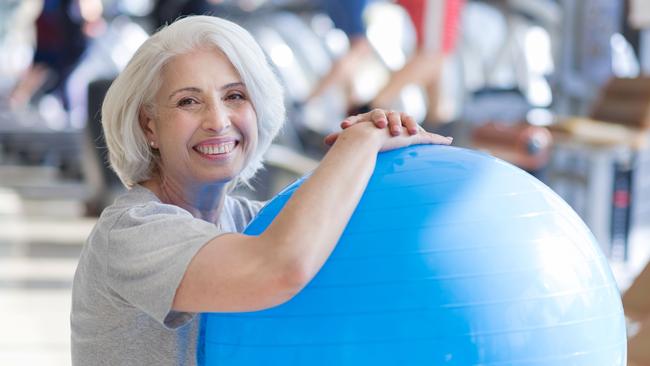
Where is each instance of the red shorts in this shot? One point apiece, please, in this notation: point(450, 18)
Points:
point(436, 22)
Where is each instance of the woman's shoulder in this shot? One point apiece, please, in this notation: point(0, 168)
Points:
point(139, 203)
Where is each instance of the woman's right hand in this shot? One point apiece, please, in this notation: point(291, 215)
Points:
point(422, 137)
point(386, 140)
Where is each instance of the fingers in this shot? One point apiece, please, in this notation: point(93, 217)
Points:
point(405, 137)
point(349, 121)
point(331, 138)
point(376, 116)
point(395, 121)
point(379, 118)
point(434, 138)
point(410, 124)
point(422, 136)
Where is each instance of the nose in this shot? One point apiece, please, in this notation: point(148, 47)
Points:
point(216, 119)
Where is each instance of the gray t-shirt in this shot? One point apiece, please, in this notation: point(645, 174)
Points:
point(127, 277)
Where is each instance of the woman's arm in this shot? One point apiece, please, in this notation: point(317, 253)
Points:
point(236, 272)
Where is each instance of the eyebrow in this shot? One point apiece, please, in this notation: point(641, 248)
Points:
point(198, 90)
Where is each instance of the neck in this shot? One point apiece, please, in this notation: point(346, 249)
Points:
point(202, 201)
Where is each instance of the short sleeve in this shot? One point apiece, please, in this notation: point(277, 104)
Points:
point(242, 211)
point(150, 247)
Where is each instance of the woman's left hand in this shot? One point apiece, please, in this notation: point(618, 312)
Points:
point(395, 121)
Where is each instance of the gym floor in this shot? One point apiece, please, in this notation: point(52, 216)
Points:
point(40, 242)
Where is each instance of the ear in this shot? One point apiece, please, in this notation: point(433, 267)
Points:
point(146, 120)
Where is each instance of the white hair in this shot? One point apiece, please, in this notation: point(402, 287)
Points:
point(129, 153)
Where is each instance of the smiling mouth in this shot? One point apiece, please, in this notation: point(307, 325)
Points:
point(216, 149)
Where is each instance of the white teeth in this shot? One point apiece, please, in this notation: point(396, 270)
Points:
point(216, 149)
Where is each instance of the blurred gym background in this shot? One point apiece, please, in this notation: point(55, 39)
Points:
point(555, 87)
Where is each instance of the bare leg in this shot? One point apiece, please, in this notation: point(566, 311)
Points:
point(433, 96)
point(343, 68)
point(422, 69)
point(27, 85)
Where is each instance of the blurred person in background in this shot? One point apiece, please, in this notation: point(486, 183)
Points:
point(347, 16)
point(436, 25)
point(62, 32)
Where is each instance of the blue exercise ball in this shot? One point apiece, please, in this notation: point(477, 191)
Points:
point(451, 257)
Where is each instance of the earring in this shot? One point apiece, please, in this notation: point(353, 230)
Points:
point(152, 143)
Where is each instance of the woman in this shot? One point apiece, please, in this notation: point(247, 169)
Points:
point(188, 119)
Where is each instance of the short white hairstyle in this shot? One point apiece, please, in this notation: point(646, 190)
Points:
point(128, 150)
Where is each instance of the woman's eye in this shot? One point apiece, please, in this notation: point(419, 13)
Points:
point(236, 96)
point(186, 101)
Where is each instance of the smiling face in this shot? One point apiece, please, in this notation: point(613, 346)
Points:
point(203, 122)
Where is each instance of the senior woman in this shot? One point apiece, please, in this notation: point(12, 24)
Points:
point(188, 119)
